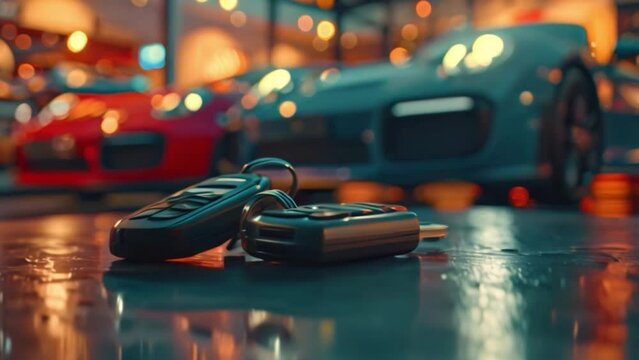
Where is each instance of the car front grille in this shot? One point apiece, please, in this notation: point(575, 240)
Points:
point(132, 151)
point(317, 140)
point(436, 132)
point(42, 156)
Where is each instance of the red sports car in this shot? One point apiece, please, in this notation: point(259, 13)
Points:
point(98, 142)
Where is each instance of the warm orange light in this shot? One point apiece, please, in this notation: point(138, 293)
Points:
point(423, 8)
point(305, 23)
point(410, 32)
point(448, 196)
point(519, 197)
point(325, 30)
point(110, 122)
point(77, 41)
point(9, 31)
point(348, 40)
point(26, 71)
point(77, 78)
point(526, 98)
point(156, 101)
point(288, 109)
point(366, 191)
point(23, 41)
point(399, 56)
point(325, 4)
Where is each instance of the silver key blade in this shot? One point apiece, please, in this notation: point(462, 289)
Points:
point(428, 231)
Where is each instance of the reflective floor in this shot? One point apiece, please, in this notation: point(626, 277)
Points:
point(506, 284)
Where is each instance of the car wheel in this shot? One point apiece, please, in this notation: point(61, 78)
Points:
point(576, 147)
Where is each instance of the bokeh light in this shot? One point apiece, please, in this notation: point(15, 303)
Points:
point(110, 122)
point(193, 102)
point(77, 78)
point(454, 56)
point(26, 71)
point(170, 101)
point(325, 30)
point(23, 41)
point(305, 23)
point(399, 56)
point(526, 98)
point(228, 5)
point(23, 113)
point(348, 40)
point(487, 47)
point(423, 8)
point(238, 18)
point(410, 32)
point(325, 4)
point(77, 41)
point(276, 80)
point(9, 31)
point(288, 109)
point(152, 56)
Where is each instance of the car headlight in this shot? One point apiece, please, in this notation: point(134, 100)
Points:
point(482, 54)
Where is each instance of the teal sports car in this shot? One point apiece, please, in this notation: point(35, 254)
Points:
point(503, 105)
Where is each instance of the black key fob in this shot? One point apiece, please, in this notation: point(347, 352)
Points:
point(329, 232)
point(192, 220)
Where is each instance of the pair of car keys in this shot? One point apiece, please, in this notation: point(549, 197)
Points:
point(268, 222)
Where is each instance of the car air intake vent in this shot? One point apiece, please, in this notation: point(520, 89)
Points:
point(436, 129)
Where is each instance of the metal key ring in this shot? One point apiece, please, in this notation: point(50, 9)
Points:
point(276, 163)
point(261, 201)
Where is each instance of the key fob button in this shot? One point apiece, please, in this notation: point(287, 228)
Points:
point(329, 215)
point(186, 206)
point(146, 213)
point(167, 214)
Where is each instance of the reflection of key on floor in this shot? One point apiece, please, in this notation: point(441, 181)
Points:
point(432, 232)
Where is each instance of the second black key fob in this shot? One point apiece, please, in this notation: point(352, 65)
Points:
point(192, 220)
point(329, 232)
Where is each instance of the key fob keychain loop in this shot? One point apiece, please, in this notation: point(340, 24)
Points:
point(273, 163)
point(269, 199)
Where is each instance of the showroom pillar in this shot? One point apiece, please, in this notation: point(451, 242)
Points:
point(171, 32)
point(271, 31)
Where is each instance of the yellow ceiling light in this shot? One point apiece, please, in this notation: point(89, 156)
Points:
point(228, 5)
point(325, 30)
point(77, 41)
point(193, 102)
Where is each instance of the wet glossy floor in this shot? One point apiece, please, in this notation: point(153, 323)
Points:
point(505, 285)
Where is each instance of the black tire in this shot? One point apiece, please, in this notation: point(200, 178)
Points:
point(576, 137)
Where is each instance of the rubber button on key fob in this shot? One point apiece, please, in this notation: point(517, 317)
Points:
point(186, 206)
point(167, 214)
point(147, 213)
